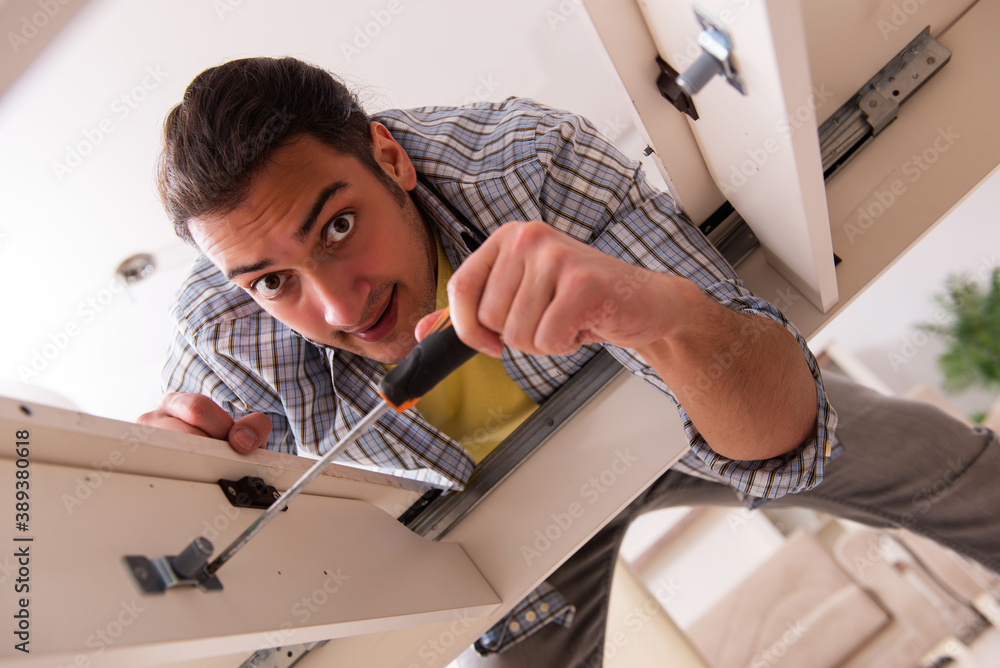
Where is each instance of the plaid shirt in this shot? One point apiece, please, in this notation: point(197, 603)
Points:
point(480, 166)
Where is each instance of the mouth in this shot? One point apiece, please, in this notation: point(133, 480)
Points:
point(383, 324)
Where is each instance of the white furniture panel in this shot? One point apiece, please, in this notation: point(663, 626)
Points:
point(761, 148)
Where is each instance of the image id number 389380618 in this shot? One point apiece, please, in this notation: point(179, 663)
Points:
point(22, 543)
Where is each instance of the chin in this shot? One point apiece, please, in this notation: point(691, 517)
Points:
point(395, 352)
point(390, 350)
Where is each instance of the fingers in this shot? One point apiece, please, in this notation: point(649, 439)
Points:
point(249, 432)
point(538, 290)
point(528, 306)
point(508, 288)
point(465, 290)
point(425, 324)
point(197, 414)
point(198, 411)
point(154, 419)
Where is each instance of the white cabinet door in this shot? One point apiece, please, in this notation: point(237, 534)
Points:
point(799, 62)
point(761, 147)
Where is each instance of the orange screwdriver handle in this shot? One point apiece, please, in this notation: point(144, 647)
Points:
point(430, 362)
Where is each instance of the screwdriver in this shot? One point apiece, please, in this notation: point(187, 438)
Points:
point(431, 361)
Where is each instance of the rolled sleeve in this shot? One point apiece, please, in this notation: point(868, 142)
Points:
point(795, 471)
point(638, 224)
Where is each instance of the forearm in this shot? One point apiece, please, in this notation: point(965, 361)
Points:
point(741, 378)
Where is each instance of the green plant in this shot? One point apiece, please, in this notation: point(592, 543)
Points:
point(971, 330)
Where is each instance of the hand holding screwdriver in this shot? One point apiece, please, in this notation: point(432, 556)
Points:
point(431, 360)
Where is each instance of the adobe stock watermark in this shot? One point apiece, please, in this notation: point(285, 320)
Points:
point(911, 344)
point(252, 147)
point(625, 288)
point(106, 636)
point(784, 298)
point(590, 491)
point(307, 606)
point(754, 159)
point(875, 205)
point(120, 109)
point(496, 420)
point(31, 24)
point(432, 650)
point(562, 12)
point(931, 494)
point(224, 7)
point(613, 128)
point(772, 653)
point(485, 87)
point(899, 16)
point(370, 30)
point(724, 360)
point(214, 527)
point(738, 518)
point(882, 549)
point(86, 486)
point(87, 311)
point(637, 618)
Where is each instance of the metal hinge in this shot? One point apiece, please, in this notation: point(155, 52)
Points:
point(715, 59)
point(281, 657)
point(877, 103)
point(845, 133)
point(249, 492)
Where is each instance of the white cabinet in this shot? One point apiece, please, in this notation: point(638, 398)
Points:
point(799, 63)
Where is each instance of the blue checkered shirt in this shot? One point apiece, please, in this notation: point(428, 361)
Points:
point(479, 167)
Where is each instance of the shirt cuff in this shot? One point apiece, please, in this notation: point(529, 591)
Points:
point(542, 606)
point(795, 471)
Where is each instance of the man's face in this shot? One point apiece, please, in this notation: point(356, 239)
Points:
point(326, 248)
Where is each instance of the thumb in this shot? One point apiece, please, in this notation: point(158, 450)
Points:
point(249, 432)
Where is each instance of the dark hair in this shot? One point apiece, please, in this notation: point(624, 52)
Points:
point(232, 117)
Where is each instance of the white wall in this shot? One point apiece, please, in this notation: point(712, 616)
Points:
point(107, 81)
point(880, 326)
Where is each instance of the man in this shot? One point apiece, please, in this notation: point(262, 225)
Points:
point(329, 238)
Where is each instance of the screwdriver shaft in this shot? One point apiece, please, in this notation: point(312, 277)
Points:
point(296, 488)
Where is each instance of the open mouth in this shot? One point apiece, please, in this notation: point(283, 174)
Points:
point(384, 324)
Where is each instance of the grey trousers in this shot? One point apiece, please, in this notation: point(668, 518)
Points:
point(907, 464)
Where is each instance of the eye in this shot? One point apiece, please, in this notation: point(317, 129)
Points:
point(338, 228)
point(269, 286)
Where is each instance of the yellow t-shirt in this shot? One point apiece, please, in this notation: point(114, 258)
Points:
point(478, 405)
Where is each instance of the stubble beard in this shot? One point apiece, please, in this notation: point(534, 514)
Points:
point(399, 343)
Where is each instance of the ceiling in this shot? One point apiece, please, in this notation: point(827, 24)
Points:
point(80, 126)
point(80, 132)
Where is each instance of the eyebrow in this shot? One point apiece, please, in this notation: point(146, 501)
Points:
point(304, 229)
point(318, 205)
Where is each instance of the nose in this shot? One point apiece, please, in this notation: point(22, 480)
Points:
point(342, 302)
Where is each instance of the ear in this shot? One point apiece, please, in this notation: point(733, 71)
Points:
point(392, 158)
